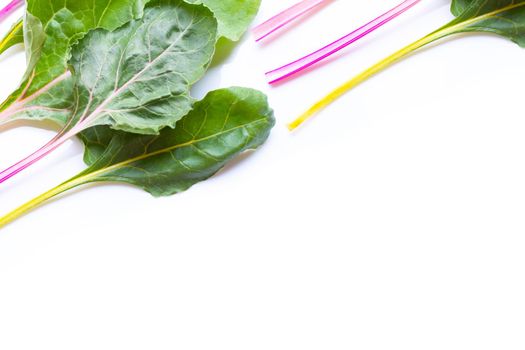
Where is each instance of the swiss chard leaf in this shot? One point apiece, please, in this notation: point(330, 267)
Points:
point(137, 78)
point(50, 28)
point(224, 124)
point(234, 16)
point(46, 89)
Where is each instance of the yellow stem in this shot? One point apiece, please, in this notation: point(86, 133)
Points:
point(378, 67)
point(14, 31)
point(36, 202)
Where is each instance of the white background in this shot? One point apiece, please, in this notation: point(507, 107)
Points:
point(394, 220)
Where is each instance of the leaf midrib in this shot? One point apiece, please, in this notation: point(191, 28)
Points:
point(93, 115)
point(93, 175)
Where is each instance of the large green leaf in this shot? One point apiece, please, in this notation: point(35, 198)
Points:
point(234, 16)
point(459, 6)
point(502, 17)
point(137, 78)
point(46, 92)
point(50, 28)
point(225, 123)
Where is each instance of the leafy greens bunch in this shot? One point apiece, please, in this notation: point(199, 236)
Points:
point(505, 18)
point(118, 75)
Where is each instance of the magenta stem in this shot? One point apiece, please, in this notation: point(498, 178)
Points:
point(301, 64)
point(25, 163)
point(13, 5)
point(287, 16)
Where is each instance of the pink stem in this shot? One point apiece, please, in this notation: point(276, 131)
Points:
point(56, 142)
point(301, 64)
point(13, 5)
point(277, 22)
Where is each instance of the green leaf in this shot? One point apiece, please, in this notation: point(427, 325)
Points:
point(138, 77)
point(225, 123)
point(502, 17)
point(50, 28)
point(234, 16)
point(46, 91)
point(459, 6)
point(14, 37)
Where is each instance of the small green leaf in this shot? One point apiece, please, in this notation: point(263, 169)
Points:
point(502, 17)
point(234, 16)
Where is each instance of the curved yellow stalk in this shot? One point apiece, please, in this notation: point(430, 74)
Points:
point(36, 202)
point(378, 67)
point(6, 41)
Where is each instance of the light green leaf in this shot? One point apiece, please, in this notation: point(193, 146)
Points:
point(234, 16)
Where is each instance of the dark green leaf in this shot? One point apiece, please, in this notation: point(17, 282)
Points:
point(225, 123)
point(502, 17)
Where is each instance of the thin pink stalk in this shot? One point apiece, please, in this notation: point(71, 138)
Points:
point(13, 5)
point(287, 16)
point(49, 147)
point(301, 64)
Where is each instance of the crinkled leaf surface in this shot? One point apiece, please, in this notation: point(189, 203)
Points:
point(46, 92)
point(502, 17)
point(225, 123)
point(234, 16)
point(137, 78)
point(65, 21)
point(50, 27)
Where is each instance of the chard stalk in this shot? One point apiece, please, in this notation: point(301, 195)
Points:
point(10, 37)
point(67, 133)
point(288, 70)
point(287, 16)
point(451, 28)
point(38, 201)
